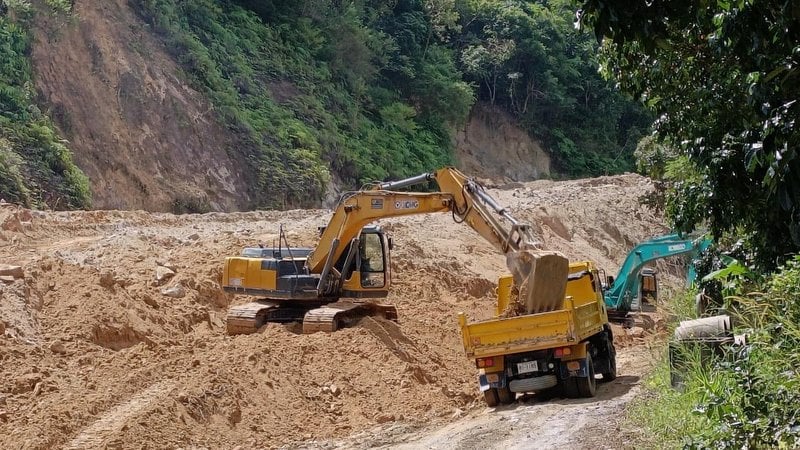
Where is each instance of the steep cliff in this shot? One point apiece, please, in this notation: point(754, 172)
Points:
point(143, 137)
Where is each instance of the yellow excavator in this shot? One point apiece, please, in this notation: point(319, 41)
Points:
point(332, 285)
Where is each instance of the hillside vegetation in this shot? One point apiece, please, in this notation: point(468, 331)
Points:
point(373, 89)
point(36, 167)
point(316, 93)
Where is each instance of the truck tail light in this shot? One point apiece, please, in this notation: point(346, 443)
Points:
point(563, 351)
point(485, 362)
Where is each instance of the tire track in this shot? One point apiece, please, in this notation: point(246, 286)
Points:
point(111, 422)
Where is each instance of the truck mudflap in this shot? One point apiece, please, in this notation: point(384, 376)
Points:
point(574, 368)
point(492, 380)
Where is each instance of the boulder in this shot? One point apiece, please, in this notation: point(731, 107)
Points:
point(163, 274)
point(176, 291)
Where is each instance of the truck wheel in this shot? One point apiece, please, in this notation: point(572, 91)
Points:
point(587, 386)
point(490, 395)
point(611, 375)
point(506, 396)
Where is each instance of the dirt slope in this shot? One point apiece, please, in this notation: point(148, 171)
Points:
point(142, 136)
point(95, 355)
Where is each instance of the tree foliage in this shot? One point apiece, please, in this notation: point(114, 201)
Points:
point(526, 57)
point(724, 79)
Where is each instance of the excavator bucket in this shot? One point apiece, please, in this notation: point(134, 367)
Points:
point(541, 278)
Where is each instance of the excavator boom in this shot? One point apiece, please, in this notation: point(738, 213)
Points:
point(465, 198)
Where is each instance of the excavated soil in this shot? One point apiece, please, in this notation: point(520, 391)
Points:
point(94, 354)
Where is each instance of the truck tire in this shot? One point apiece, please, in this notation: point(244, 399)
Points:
point(505, 395)
point(611, 375)
point(490, 395)
point(587, 386)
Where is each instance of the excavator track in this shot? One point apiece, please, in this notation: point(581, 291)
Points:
point(331, 317)
point(249, 317)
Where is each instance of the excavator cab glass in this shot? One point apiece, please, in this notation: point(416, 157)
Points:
point(372, 260)
point(649, 286)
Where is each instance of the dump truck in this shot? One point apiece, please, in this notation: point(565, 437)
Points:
point(557, 350)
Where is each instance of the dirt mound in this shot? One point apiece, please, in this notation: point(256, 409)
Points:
point(97, 353)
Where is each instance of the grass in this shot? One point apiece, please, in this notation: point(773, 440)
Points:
point(745, 397)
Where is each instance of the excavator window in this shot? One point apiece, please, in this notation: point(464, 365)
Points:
point(372, 260)
point(372, 253)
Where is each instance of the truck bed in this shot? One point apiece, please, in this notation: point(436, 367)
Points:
point(566, 326)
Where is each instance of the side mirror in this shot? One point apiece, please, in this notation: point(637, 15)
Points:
point(390, 242)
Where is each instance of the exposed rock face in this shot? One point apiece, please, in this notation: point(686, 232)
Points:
point(491, 145)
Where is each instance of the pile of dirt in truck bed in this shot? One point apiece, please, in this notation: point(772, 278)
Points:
point(114, 335)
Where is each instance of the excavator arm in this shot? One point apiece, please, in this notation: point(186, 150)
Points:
point(539, 275)
point(465, 198)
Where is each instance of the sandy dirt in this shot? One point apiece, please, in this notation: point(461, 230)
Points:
point(95, 355)
point(530, 422)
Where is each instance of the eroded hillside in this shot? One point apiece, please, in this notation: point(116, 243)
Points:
point(145, 139)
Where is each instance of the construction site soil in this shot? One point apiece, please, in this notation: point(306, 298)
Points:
point(114, 335)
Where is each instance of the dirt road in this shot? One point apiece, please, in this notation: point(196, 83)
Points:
point(528, 423)
point(114, 334)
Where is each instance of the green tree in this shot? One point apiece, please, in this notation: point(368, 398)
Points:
point(724, 79)
point(527, 58)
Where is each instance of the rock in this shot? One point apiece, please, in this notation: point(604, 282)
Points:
point(457, 413)
point(2, 328)
point(168, 264)
point(150, 301)
point(176, 291)
point(193, 237)
point(212, 291)
point(383, 418)
point(215, 321)
point(163, 274)
point(11, 271)
point(58, 347)
point(636, 332)
point(8, 279)
point(107, 279)
point(335, 390)
point(4, 416)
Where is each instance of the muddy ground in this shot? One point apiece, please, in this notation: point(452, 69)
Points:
point(96, 352)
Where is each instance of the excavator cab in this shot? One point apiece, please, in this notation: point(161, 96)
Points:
point(369, 273)
point(649, 289)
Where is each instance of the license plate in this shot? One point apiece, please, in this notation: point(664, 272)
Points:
point(525, 367)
